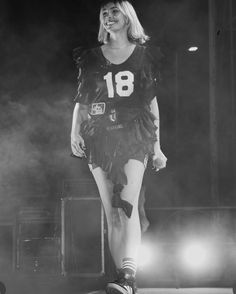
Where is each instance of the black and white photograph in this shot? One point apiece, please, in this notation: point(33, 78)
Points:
point(117, 147)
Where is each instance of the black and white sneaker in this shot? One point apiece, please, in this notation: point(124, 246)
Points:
point(117, 288)
point(125, 284)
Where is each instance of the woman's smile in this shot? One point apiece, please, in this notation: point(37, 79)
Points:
point(110, 23)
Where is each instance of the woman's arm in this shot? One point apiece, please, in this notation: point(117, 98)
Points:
point(80, 114)
point(159, 159)
point(155, 111)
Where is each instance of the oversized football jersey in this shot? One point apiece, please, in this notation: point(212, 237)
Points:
point(132, 83)
point(121, 125)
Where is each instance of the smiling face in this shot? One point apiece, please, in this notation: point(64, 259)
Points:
point(120, 15)
point(112, 17)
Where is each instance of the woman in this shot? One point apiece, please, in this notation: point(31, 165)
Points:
point(116, 127)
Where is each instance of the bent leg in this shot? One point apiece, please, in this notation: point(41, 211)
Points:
point(131, 231)
point(124, 234)
point(142, 213)
point(105, 187)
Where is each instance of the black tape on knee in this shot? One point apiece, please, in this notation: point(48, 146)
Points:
point(117, 202)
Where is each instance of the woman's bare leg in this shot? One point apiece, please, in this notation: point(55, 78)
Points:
point(142, 213)
point(105, 188)
point(130, 229)
point(124, 234)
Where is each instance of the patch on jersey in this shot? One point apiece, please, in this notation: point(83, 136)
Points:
point(113, 116)
point(97, 108)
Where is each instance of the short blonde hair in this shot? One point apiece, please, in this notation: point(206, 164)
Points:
point(135, 30)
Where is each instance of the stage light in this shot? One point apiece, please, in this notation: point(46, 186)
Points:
point(193, 49)
point(196, 255)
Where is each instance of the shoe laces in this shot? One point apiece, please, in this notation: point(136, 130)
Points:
point(129, 289)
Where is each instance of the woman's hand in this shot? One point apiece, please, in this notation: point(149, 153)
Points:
point(77, 145)
point(158, 159)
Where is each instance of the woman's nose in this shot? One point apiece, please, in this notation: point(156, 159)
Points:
point(110, 14)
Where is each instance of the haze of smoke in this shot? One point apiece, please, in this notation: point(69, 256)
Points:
point(35, 72)
point(35, 114)
point(175, 26)
point(31, 147)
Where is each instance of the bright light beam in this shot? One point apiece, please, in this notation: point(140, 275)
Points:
point(196, 255)
point(146, 255)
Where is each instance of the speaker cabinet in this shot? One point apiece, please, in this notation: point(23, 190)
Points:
point(38, 248)
point(82, 236)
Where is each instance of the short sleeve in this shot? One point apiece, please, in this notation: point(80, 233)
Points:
point(155, 56)
point(150, 74)
point(85, 64)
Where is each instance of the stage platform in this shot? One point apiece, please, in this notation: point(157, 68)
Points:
point(179, 291)
point(46, 284)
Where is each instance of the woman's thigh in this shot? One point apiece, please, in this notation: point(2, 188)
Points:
point(105, 188)
point(134, 170)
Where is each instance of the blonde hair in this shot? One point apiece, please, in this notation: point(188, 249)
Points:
point(135, 30)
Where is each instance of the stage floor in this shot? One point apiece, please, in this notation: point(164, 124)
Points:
point(46, 284)
point(179, 291)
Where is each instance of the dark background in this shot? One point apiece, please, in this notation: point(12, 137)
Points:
point(38, 84)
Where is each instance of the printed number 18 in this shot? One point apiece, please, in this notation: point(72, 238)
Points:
point(124, 83)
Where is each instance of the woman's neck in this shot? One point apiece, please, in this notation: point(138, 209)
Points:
point(118, 41)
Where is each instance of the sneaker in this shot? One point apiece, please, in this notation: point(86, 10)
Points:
point(125, 284)
point(117, 288)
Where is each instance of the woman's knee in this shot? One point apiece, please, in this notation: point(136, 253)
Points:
point(105, 188)
point(134, 170)
point(117, 219)
point(131, 194)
